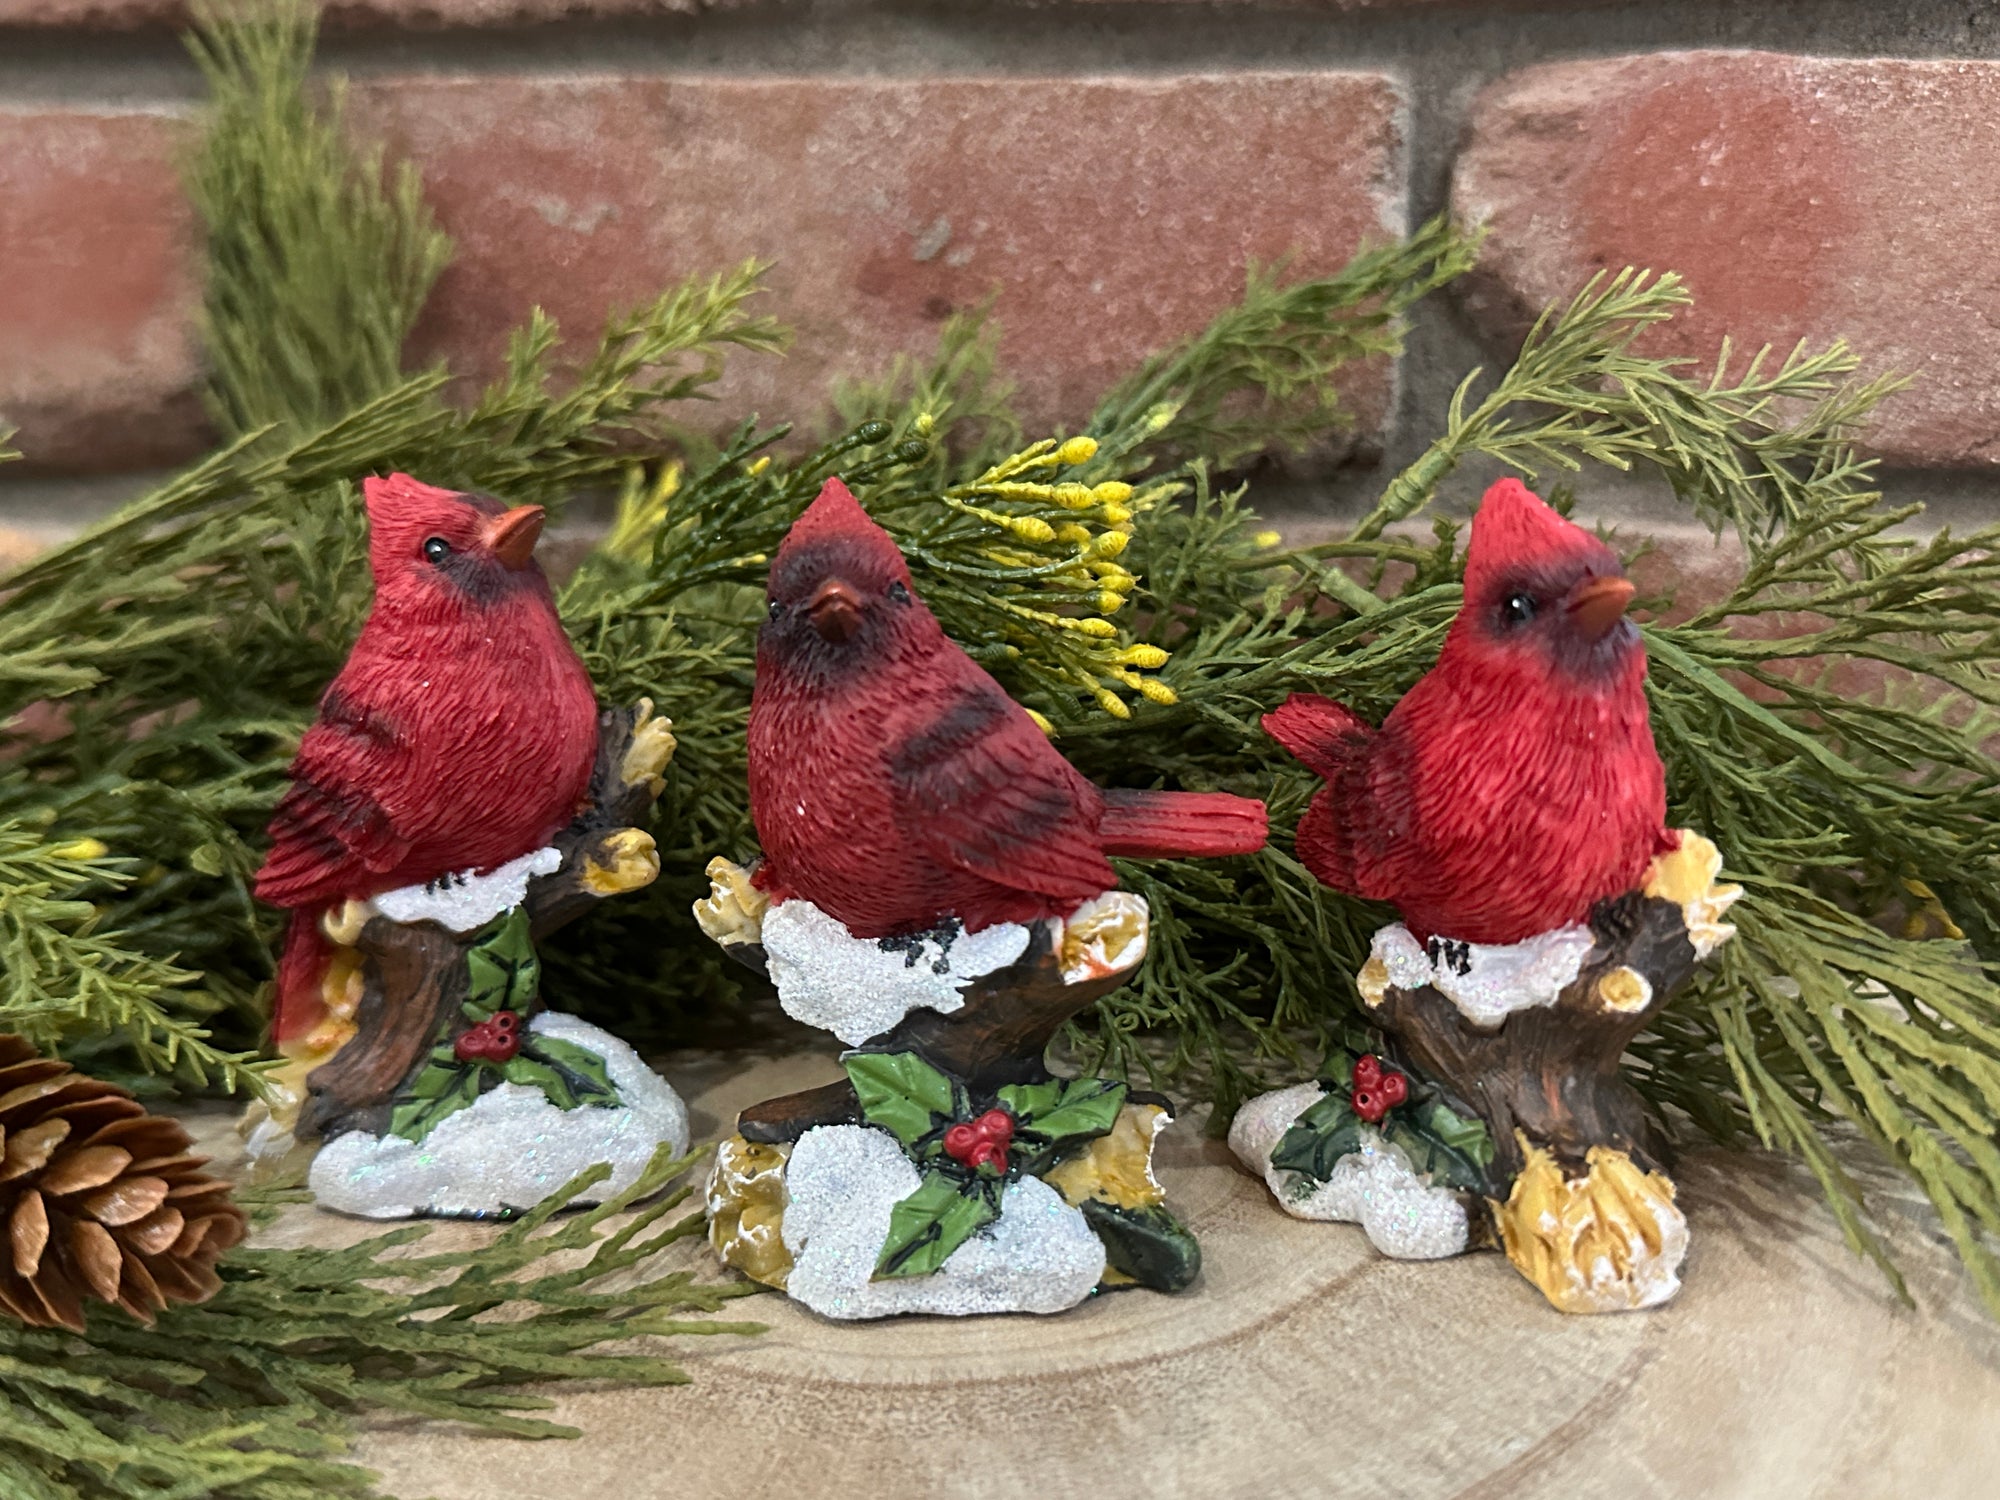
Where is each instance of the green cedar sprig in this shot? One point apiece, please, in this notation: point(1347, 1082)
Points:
point(257, 1394)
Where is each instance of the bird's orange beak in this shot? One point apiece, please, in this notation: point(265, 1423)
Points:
point(512, 534)
point(835, 610)
point(1599, 604)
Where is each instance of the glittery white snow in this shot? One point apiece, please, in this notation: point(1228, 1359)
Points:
point(1039, 1256)
point(1487, 983)
point(858, 988)
point(1403, 1216)
point(511, 1148)
point(466, 899)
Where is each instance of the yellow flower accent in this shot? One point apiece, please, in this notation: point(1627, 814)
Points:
point(1267, 538)
point(1157, 691)
point(1111, 543)
point(1143, 656)
point(1042, 723)
point(1091, 625)
point(1109, 603)
point(1075, 535)
point(79, 849)
point(1117, 515)
point(1031, 528)
point(1112, 704)
point(761, 464)
point(1073, 496)
point(1113, 492)
point(924, 423)
point(1078, 450)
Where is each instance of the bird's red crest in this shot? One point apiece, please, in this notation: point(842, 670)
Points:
point(1515, 526)
point(836, 518)
point(391, 498)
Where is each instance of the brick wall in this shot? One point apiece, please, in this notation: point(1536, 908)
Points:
point(1815, 168)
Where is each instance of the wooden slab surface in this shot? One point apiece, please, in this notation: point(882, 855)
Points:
point(1300, 1364)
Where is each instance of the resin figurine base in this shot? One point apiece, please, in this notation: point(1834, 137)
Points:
point(512, 1146)
point(438, 1084)
point(1224, 1392)
point(1510, 1096)
point(949, 1173)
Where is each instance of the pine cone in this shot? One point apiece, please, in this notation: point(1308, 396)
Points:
point(99, 1198)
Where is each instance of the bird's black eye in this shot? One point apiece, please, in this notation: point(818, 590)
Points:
point(898, 593)
point(776, 609)
point(1519, 609)
point(437, 549)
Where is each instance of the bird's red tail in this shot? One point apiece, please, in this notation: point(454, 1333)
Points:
point(1180, 825)
point(1318, 731)
point(301, 1005)
point(1332, 742)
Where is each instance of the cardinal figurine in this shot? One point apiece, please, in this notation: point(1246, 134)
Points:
point(894, 783)
point(1516, 785)
point(460, 735)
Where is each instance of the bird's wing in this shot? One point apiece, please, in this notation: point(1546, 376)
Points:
point(984, 790)
point(331, 828)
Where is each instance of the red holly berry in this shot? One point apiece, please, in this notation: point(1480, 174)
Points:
point(1377, 1089)
point(495, 1040)
point(960, 1142)
point(982, 1142)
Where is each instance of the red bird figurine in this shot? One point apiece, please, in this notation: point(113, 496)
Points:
point(460, 734)
point(895, 784)
point(1516, 785)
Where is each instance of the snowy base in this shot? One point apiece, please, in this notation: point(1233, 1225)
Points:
point(1487, 983)
point(1403, 1216)
point(511, 1148)
point(1039, 1256)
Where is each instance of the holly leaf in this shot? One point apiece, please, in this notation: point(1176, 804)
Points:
point(502, 970)
point(524, 1070)
point(414, 1117)
point(901, 1092)
point(1145, 1245)
point(436, 1081)
point(1450, 1148)
point(581, 1068)
point(1319, 1138)
point(1064, 1110)
point(942, 1214)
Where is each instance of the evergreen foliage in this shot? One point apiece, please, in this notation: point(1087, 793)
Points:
point(1827, 723)
point(254, 1395)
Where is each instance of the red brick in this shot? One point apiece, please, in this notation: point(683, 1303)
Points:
point(1800, 197)
point(415, 15)
point(1112, 216)
point(98, 360)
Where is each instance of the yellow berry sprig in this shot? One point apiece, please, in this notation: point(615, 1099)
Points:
point(1061, 541)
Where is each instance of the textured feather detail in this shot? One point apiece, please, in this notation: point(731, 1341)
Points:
point(459, 734)
point(895, 784)
point(1180, 825)
point(983, 788)
point(1516, 784)
point(300, 1004)
point(1319, 733)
